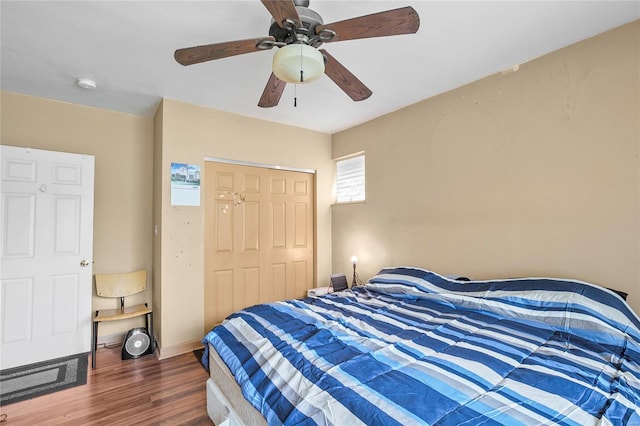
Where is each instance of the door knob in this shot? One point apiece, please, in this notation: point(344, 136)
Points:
point(84, 263)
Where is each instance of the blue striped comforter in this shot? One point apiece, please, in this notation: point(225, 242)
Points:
point(413, 347)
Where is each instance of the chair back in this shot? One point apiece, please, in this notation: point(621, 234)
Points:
point(121, 285)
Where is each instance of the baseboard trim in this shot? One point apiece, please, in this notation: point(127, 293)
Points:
point(111, 339)
point(182, 348)
point(161, 352)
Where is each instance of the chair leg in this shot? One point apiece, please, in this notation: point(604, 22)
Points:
point(150, 330)
point(94, 343)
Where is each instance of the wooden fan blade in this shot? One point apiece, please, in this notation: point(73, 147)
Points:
point(348, 82)
point(272, 92)
point(281, 10)
point(209, 52)
point(392, 22)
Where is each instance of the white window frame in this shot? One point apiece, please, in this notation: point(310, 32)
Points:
point(355, 191)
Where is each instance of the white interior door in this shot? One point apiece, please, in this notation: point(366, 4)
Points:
point(46, 243)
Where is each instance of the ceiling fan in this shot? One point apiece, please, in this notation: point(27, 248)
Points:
point(298, 32)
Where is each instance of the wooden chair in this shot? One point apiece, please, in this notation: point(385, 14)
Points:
point(120, 286)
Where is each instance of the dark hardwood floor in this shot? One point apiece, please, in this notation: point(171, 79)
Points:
point(143, 391)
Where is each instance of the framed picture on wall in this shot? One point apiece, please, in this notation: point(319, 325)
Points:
point(185, 184)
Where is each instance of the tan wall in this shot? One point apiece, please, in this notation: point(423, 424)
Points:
point(189, 134)
point(530, 173)
point(122, 146)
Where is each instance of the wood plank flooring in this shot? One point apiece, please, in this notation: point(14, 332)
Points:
point(143, 391)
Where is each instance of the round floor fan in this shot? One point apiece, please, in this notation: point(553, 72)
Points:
point(136, 343)
point(298, 32)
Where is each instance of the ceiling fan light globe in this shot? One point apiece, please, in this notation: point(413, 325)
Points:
point(289, 60)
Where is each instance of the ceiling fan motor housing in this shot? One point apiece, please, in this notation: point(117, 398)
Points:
point(310, 19)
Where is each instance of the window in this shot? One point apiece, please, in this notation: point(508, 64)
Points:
point(350, 179)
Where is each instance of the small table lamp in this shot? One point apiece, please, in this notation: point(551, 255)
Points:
point(354, 260)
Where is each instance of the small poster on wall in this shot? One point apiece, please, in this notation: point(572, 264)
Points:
point(185, 184)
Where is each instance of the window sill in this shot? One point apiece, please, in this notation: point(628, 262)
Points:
point(346, 203)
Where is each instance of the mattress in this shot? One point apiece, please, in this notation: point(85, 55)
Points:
point(225, 401)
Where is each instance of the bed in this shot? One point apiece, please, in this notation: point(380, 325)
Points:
point(414, 347)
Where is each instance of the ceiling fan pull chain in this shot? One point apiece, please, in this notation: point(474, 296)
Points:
point(295, 95)
point(301, 65)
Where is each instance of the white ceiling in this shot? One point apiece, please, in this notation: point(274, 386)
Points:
point(127, 47)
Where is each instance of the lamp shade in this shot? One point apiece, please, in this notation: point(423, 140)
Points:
point(289, 60)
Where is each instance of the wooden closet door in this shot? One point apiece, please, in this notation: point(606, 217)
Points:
point(259, 237)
